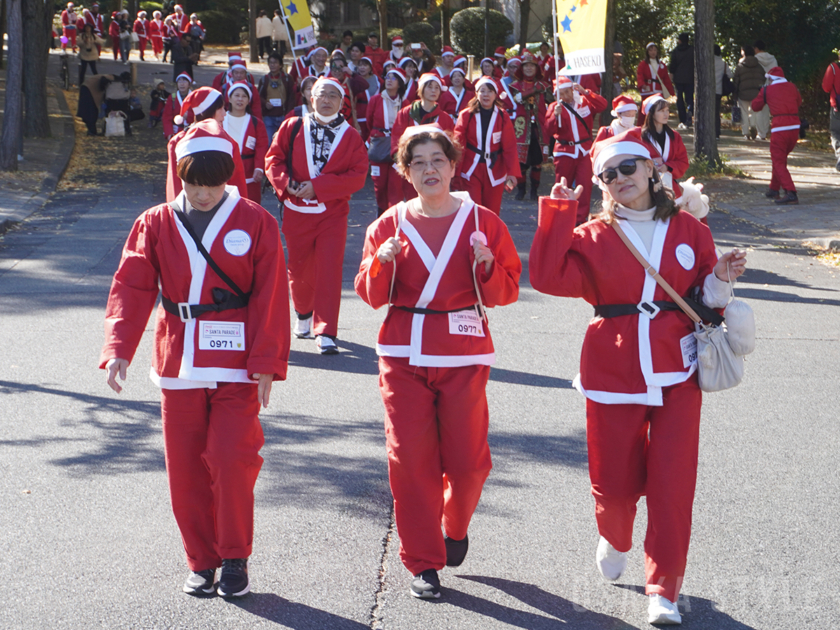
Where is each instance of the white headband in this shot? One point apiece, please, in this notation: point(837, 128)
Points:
point(410, 132)
point(625, 107)
point(653, 101)
point(426, 78)
point(323, 82)
point(625, 147)
point(236, 86)
point(202, 143)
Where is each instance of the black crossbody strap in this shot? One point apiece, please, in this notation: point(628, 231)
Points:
point(295, 130)
point(582, 122)
point(225, 278)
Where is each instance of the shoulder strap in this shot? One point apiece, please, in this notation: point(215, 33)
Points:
point(582, 121)
point(295, 130)
point(482, 313)
point(398, 225)
point(225, 278)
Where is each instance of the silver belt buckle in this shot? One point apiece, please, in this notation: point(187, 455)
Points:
point(648, 308)
point(184, 307)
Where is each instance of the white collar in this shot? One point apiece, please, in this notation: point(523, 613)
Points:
point(635, 215)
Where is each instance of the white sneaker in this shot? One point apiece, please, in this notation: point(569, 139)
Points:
point(682, 127)
point(663, 611)
point(303, 327)
point(611, 562)
point(326, 345)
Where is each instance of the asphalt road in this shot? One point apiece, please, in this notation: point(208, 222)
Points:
point(87, 538)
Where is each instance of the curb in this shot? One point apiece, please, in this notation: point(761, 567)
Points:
point(59, 166)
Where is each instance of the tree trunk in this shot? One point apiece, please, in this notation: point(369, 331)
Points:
point(445, 35)
point(705, 142)
point(382, 5)
point(10, 138)
point(2, 28)
point(524, 14)
point(607, 77)
point(252, 30)
point(37, 24)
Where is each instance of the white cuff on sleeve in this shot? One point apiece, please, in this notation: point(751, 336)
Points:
point(715, 292)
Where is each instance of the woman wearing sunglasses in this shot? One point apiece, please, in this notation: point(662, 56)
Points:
point(638, 360)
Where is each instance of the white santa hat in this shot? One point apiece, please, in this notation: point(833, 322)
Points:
point(238, 65)
point(623, 103)
point(184, 75)
point(428, 77)
point(203, 136)
point(415, 130)
point(650, 101)
point(177, 8)
point(194, 15)
point(323, 82)
point(316, 49)
point(70, 5)
point(399, 73)
point(493, 83)
point(240, 84)
point(157, 15)
point(197, 102)
point(627, 143)
point(458, 69)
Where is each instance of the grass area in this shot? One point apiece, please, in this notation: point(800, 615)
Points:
point(700, 167)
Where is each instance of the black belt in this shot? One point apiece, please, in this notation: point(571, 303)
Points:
point(431, 311)
point(493, 155)
point(651, 309)
point(570, 143)
point(223, 301)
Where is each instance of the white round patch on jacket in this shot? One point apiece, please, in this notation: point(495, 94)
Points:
point(237, 242)
point(685, 256)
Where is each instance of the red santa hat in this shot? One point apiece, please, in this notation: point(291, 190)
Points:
point(650, 101)
point(184, 75)
point(141, 14)
point(458, 69)
point(775, 74)
point(398, 72)
point(623, 103)
point(428, 77)
point(70, 5)
point(338, 53)
point(397, 41)
point(427, 128)
point(627, 143)
point(234, 56)
point(239, 65)
point(177, 8)
point(460, 60)
point(406, 60)
point(324, 81)
point(562, 81)
point(203, 136)
point(447, 50)
point(194, 15)
point(197, 102)
point(157, 15)
point(649, 44)
point(490, 59)
point(501, 51)
point(366, 59)
point(492, 83)
point(240, 84)
point(314, 50)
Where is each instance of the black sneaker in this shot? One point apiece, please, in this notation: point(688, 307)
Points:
point(200, 583)
point(426, 585)
point(234, 579)
point(789, 199)
point(456, 550)
point(772, 194)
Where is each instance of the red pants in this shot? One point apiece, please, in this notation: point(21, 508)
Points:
point(141, 46)
point(436, 423)
point(482, 191)
point(385, 183)
point(315, 243)
point(578, 172)
point(212, 439)
point(157, 45)
point(70, 33)
point(781, 144)
point(626, 463)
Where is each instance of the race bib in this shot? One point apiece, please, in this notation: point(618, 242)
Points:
point(584, 111)
point(545, 150)
point(497, 137)
point(276, 102)
point(251, 142)
point(374, 171)
point(688, 347)
point(466, 323)
point(221, 336)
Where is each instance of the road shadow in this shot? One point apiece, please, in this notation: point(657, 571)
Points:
point(561, 612)
point(515, 377)
point(761, 277)
point(568, 450)
point(353, 358)
point(294, 615)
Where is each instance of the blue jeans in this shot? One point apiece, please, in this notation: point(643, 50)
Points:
point(272, 124)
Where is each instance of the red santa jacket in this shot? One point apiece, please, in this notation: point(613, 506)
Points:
point(496, 152)
point(831, 83)
point(648, 83)
point(94, 20)
point(573, 134)
point(376, 125)
point(156, 29)
point(406, 119)
point(172, 108)
point(630, 358)
point(141, 27)
point(174, 185)
point(784, 100)
point(160, 257)
point(673, 154)
point(410, 91)
point(252, 143)
point(343, 174)
point(182, 23)
point(69, 20)
point(114, 31)
point(441, 283)
point(461, 100)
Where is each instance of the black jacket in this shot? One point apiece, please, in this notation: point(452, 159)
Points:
point(682, 64)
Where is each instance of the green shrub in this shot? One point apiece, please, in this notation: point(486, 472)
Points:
point(151, 7)
point(418, 32)
point(467, 27)
point(222, 27)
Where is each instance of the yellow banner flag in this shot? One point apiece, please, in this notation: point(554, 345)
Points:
point(299, 19)
point(581, 25)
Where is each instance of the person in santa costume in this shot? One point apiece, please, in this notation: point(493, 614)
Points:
point(114, 33)
point(437, 262)
point(180, 20)
point(382, 111)
point(624, 110)
point(201, 104)
point(69, 17)
point(409, 66)
point(784, 100)
point(141, 27)
point(529, 98)
point(220, 341)
point(234, 59)
point(425, 110)
point(487, 66)
point(250, 135)
point(239, 74)
point(305, 106)
point(315, 164)
point(831, 86)
point(460, 90)
point(156, 30)
point(500, 61)
point(666, 145)
point(490, 162)
point(570, 123)
point(652, 77)
point(397, 50)
point(638, 362)
point(447, 62)
point(173, 106)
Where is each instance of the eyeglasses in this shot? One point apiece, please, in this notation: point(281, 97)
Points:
point(627, 168)
point(419, 165)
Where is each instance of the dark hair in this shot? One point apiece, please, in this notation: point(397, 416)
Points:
point(276, 55)
point(346, 33)
point(277, 12)
point(262, 13)
point(474, 105)
point(400, 83)
point(749, 51)
point(759, 44)
point(650, 124)
point(405, 151)
point(717, 50)
point(376, 35)
point(647, 52)
point(663, 200)
point(206, 168)
point(211, 111)
point(683, 38)
point(358, 45)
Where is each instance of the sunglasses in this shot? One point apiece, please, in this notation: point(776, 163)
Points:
point(626, 168)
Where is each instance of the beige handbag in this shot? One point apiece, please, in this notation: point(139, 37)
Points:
point(718, 367)
point(115, 124)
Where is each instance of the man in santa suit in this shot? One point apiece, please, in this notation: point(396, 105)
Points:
point(217, 350)
point(234, 59)
point(500, 61)
point(69, 17)
point(315, 164)
point(141, 27)
point(784, 101)
point(156, 29)
point(831, 86)
point(529, 94)
point(570, 123)
point(181, 21)
point(376, 54)
point(397, 49)
point(238, 73)
point(447, 62)
point(202, 104)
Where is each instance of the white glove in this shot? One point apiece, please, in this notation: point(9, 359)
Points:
point(518, 98)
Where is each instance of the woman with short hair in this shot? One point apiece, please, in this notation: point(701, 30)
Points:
point(437, 261)
point(250, 135)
